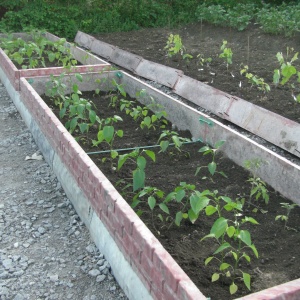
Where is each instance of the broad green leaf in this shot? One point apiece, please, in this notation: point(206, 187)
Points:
point(204, 148)
point(92, 116)
point(222, 247)
point(78, 77)
point(73, 124)
point(210, 210)
point(62, 112)
point(176, 141)
point(164, 208)
point(208, 260)
point(219, 227)
point(122, 160)
point(192, 216)
point(141, 162)
point(75, 97)
point(224, 266)
point(138, 179)
point(178, 218)
point(120, 133)
point(247, 257)
point(108, 133)
point(84, 127)
point(226, 199)
point(254, 250)
point(218, 144)
point(151, 202)
point(212, 168)
point(198, 203)
point(81, 109)
point(233, 288)
point(147, 121)
point(247, 280)
point(153, 118)
point(215, 277)
point(251, 220)
point(230, 231)
point(179, 195)
point(164, 145)
point(234, 255)
point(51, 56)
point(118, 118)
point(287, 72)
point(135, 202)
point(211, 235)
point(245, 237)
point(151, 154)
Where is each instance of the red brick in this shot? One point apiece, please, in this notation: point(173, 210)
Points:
point(170, 294)
point(187, 290)
point(126, 215)
point(169, 269)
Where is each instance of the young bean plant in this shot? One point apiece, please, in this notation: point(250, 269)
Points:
point(212, 166)
point(286, 72)
point(258, 186)
point(168, 138)
point(233, 242)
point(137, 157)
point(288, 207)
point(255, 80)
point(175, 47)
point(226, 54)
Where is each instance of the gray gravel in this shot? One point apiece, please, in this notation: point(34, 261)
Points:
point(45, 250)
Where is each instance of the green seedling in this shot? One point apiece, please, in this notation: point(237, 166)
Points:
point(80, 112)
point(212, 166)
point(119, 87)
point(286, 72)
point(255, 80)
point(154, 200)
point(107, 135)
point(258, 186)
point(233, 243)
point(202, 60)
point(109, 121)
point(191, 202)
point(175, 47)
point(226, 54)
point(169, 136)
point(137, 158)
point(157, 120)
point(289, 207)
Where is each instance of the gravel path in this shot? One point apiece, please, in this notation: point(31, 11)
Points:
point(45, 250)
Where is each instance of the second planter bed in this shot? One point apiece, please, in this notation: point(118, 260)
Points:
point(173, 282)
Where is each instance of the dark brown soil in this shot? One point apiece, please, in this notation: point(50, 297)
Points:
point(278, 249)
point(251, 47)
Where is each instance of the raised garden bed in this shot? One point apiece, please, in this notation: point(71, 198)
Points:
point(236, 147)
point(83, 61)
point(227, 106)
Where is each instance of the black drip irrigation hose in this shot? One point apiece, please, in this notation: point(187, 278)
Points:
point(141, 147)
